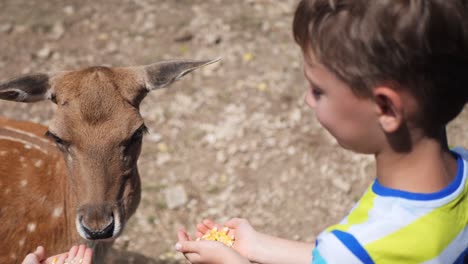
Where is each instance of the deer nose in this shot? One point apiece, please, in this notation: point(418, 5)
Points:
point(96, 221)
point(104, 232)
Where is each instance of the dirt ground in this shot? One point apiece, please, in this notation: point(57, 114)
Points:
point(231, 140)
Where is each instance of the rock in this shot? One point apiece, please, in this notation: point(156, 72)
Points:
point(44, 53)
point(69, 10)
point(57, 30)
point(221, 157)
point(175, 196)
point(112, 47)
point(185, 37)
point(6, 28)
point(291, 150)
point(154, 137)
point(163, 158)
point(342, 185)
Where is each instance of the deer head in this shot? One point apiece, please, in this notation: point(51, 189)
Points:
point(98, 129)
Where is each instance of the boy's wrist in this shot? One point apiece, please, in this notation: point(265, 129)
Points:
point(258, 251)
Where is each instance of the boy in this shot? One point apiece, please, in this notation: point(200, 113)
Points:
point(385, 78)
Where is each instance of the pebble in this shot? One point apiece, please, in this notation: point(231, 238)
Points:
point(342, 185)
point(44, 53)
point(175, 196)
point(58, 30)
point(69, 10)
point(6, 28)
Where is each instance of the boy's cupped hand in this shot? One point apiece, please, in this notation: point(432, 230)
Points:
point(214, 252)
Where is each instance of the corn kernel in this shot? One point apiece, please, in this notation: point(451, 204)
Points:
point(220, 236)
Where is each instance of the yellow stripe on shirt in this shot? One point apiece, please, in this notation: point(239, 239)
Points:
point(443, 224)
point(360, 213)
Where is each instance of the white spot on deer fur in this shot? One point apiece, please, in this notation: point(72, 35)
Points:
point(21, 242)
point(57, 212)
point(38, 163)
point(24, 183)
point(3, 153)
point(22, 159)
point(24, 143)
point(7, 191)
point(31, 227)
point(27, 146)
point(13, 256)
point(31, 135)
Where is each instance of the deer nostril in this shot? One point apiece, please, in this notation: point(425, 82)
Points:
point(95, 234)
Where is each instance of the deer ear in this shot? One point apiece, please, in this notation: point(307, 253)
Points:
point(28, 88)
point(162, 74)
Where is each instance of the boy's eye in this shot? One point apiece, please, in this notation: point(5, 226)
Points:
point(316, 92)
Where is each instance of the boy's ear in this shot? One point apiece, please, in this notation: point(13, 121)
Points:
point(390, 108)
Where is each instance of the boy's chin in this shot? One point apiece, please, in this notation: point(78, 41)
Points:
point(357, 149)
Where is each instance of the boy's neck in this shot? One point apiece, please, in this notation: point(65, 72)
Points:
point(427, 167)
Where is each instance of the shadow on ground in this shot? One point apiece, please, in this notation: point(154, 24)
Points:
point(128, 257)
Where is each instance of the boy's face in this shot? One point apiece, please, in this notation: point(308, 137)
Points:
point(351, 120)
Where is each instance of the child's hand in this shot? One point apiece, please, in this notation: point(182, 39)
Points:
point(244, 234)
point(79, 254)
point(206, 252)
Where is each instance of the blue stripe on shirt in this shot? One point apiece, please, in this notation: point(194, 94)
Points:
point(452, 187)
point(317, 258)
point(463, 258)
point(353, 245)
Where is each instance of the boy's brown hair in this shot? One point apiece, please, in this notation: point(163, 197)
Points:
point(419, 45)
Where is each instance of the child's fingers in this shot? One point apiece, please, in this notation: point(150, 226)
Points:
point(187, 247)
point(77, 255)
point(88, 256)
point(199, 234)
point(72, 252)
point(31, 258)
point(202, 228)
point(182, 235)
point(234, 223)
point(40, 252)
point(80, 252)
point(208, 223)
point(61, 259)
point(57, 259)
point(231, 232)
point(193, 258)
point(35, 257)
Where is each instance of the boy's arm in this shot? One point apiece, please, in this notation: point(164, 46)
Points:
point(275, 250)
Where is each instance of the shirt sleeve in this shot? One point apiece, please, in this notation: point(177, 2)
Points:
point(338, 247)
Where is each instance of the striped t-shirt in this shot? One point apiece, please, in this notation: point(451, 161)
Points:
point(395, 227)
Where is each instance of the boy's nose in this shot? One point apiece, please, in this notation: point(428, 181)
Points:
point(309, 99)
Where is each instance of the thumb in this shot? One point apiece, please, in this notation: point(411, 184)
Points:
point(33, 258)
point(40, 252)
point(187, 246)
point(234, 222)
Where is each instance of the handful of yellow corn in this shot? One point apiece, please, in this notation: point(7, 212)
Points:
point(221, 236)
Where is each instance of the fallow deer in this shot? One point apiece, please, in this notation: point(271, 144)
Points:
point(76, 180)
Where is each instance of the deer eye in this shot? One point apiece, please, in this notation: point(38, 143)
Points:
point(57, 140)
point(138, 135)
